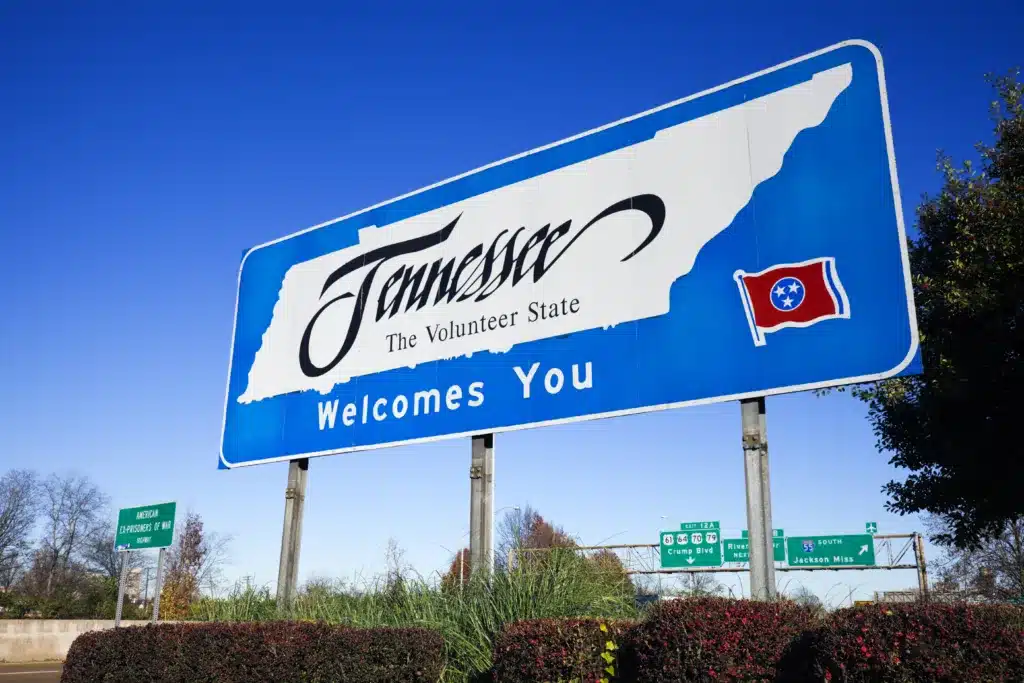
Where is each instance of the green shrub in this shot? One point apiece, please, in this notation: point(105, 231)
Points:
point(270, 652)
point(911, 642)
point(705, 639)
point(470, 619)
point(548, 650)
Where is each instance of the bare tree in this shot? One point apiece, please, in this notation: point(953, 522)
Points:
point(512, 531)
point(993, 571)
point(100, 556)
point(216, 555)
point(647, 584)
point(699, 584)
point(18, 509)
point(398, 568)
point(73, 517)
point(805, 597)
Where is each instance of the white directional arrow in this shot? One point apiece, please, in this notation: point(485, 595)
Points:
point(863, 549)
point(689, 560)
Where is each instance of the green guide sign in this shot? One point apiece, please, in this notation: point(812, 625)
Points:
point(149, 526)
point(856, 550)
point(738, 549)
point(696, 544)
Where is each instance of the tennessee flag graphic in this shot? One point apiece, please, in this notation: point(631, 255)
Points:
point(792, 295)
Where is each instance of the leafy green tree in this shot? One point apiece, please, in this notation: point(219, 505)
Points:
point(956, 428)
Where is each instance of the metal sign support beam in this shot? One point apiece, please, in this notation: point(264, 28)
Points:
point(743, 570)
point(159, 584)
point(120, 588)
point(291, 536)
point(922, 570)
point(481, 504)
point(759, 504)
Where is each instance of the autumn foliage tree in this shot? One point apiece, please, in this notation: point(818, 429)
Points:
point(459, 571)
point(185, 561)
point(539, 540)
point(608, 567)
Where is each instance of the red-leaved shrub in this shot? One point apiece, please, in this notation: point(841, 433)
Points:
point(264, 652)
point(713, 639)
point(911, 642)
point(549, 650)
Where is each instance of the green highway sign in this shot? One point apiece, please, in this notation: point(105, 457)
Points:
point(831, 551)
point(871, 527)
point(149, 526)
point(696, 544)
point(738, 549)
point(776, 533)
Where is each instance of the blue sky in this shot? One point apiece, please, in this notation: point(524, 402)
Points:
point(143, 149)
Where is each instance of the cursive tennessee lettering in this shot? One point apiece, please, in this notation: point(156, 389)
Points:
point(476, 275)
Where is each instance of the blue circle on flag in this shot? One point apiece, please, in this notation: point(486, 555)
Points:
point(787, 294)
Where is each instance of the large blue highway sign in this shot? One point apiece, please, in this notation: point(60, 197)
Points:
point(744, 241)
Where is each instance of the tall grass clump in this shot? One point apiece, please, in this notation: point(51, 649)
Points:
point(469, 617)
point(245, 602)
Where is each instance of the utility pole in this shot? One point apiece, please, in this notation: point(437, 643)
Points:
point(481, 505)
point(291, 536)
point(759, 504)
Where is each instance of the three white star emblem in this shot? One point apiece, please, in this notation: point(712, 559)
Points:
point(781, 291)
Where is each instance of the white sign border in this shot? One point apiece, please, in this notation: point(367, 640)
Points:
point(915, 338)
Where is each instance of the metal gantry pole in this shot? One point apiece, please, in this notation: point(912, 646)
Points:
point(291, 536)
point(481, 505)
point(922, 569)
point(759, 509)
point(158, 588)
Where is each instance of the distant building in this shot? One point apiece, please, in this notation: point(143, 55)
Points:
point(909, 595)
point(934, 595)
point(133, 584)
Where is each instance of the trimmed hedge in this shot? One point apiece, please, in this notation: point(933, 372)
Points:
point(691, 640)
point(265, 652)
point(549, 650)
point(713, 639)
point(909, 642)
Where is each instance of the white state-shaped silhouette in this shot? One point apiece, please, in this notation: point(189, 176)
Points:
point(704, 170)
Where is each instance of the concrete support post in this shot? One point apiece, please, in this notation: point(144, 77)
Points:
point(291, 536)
point(481, 505)
point(759, 506)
